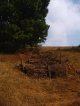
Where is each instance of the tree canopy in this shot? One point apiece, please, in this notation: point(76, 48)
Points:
point(22, 23)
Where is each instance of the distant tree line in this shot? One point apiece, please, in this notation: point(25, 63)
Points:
point(22, 23)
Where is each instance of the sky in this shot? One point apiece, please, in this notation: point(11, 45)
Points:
point(64, 20)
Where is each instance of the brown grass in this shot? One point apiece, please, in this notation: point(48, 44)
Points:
point(17, 89)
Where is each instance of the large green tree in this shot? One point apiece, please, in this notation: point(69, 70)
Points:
point(22, 23)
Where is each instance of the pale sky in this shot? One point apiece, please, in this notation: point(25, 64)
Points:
point(64, 21)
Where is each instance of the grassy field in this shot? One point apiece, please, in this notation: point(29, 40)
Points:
point(17, 89)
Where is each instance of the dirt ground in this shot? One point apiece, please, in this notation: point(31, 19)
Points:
point(18, 89)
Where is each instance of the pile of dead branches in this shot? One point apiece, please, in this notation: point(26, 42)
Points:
point(46, 65)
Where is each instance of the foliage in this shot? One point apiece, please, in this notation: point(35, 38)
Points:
point(22, 23)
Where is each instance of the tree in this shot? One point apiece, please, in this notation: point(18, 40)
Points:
point(22, 23)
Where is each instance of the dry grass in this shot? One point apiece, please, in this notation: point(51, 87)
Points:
point(17, 89)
